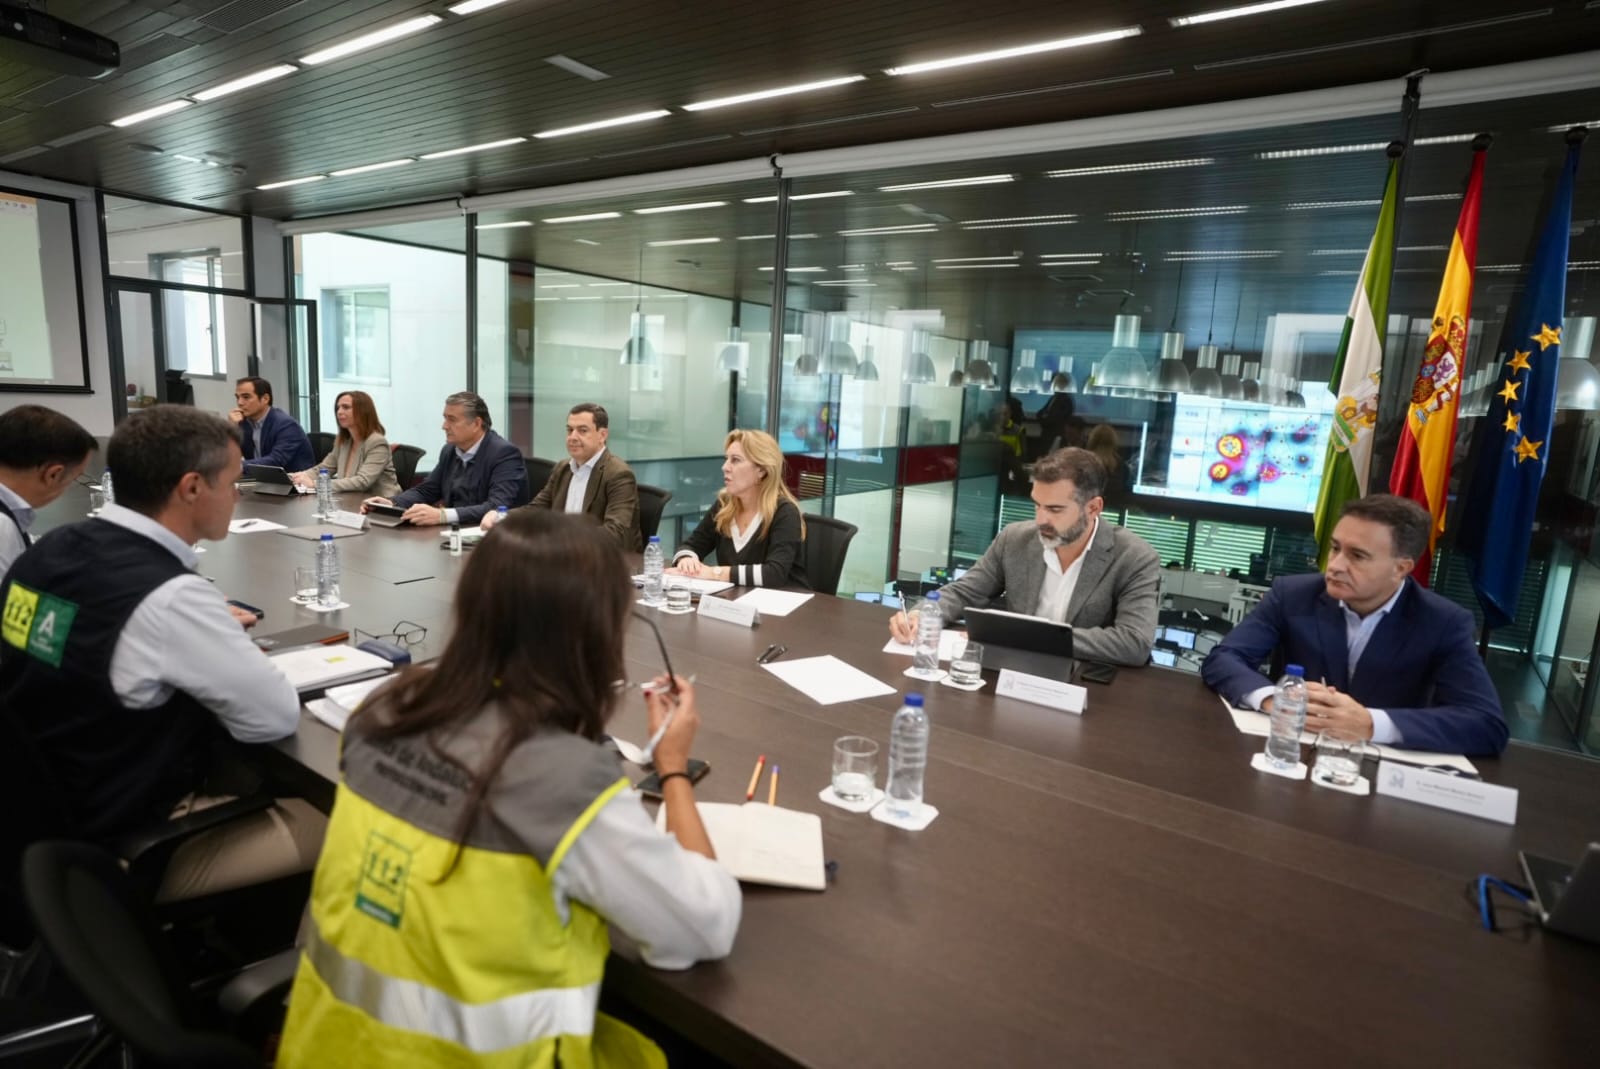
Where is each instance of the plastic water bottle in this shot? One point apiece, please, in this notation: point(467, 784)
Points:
point(908, 758)
point(327, 572)
point(324, 494)
point(500, 514)
point(925, 653)
point(105, 487)
point(653, 567)
point(1288, 718)
point(455, 540)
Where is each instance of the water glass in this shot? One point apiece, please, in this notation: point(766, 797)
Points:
point(677, 597)
point(966, 667)
point(97, 500)
point(1339, 757)
point(305, 585)
point(855, 768)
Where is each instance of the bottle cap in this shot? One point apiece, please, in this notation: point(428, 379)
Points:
point(933, 595)
point(655, 538)
point(327, 538)
point(322, 471)
point(1294, 670)
point(914, 700)
point(455, 527)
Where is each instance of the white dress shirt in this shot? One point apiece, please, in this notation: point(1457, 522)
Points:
point(465, 456)
point(11, 541)
point(1055, 596)
point(182, 637)
point(580, 480)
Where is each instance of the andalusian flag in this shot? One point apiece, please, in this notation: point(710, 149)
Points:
point(1355, 377)
point(1422, 460)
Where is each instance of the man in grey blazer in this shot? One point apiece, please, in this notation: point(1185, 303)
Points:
point(1065, 566)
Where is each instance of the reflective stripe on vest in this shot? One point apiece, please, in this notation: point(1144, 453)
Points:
point(482, 1028)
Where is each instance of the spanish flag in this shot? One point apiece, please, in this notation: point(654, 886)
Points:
point(1422, 460)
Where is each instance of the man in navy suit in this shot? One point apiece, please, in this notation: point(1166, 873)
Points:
point(1385, 659)
point(268, 435)
point(477, 471)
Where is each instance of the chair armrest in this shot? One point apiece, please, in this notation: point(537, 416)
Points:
point(260, 987)
point(148, 850)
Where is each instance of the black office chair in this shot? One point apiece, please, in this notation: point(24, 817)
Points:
point(652, 502)
point(827, 541)
point(539, 471)
point(406, 458)
point(103, 934)
point(175, 389)
point(321, 444)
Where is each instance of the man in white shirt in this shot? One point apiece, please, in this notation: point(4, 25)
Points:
point(126, 667)
point(41, 453)
point(594, 480)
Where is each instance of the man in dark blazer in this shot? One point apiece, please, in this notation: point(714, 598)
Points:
point(477, 471)
point(1385, 659)
point(268, 435)
point(1065, 565)
point(594, 480)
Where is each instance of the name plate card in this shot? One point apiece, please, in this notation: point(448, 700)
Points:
point(348, 519)
point(1456, 793)
point(731, 612)
point(1051, 693)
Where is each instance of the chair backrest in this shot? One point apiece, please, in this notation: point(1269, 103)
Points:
point(652, 501)
point(827, 541)
point(405, 464)
point(539, 470)
point(110, 946)
point(35, 809)
point(321, 444)
point(175, 389)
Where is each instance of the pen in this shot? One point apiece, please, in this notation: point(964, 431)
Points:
point(772, 787)
point(755, 777)
point(773, 652)
point(666, 722)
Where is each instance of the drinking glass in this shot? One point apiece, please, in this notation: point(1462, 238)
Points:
point(855, 768)
point(305, 585)
point(678, 597)
point(966, 667)
point(1339, 756)
point(97, 500)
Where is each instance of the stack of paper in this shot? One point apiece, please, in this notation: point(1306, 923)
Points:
point(336, 705)
point(317, 667)
point(760, 843)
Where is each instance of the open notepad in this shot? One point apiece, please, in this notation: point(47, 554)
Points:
point(760, 843)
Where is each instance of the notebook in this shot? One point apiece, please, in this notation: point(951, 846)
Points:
point(760, 843)
point(313, 668)
point(334, 707)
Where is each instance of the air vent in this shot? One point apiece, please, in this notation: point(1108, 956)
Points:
point(242, 13)
point(156, 47)
point(54, 91)
point(1108, 295)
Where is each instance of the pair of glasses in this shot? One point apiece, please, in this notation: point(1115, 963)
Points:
point(405, 633)
point(672, 677)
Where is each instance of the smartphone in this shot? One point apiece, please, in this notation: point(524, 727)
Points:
point(260, 613)
point(1095, 672)
point(650, 786)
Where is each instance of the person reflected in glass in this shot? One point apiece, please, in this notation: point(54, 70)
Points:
point(483, 839)
point(755, 529)
point(1103, 444)
point(361, 459)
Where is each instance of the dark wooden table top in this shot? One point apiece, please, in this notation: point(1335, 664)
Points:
point(1113, 889)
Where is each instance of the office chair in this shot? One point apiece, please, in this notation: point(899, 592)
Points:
point(539, 471)
point(827, 541)
point(405, 464)
point(321, 444)
point(652, 502)
point(175, 389)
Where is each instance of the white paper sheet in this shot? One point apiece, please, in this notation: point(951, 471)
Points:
point(949, 643)
point(828, 680)
point(696, 586)
point(766, 844)
point(1253, 723)
point(775, 602)
point(249, 525)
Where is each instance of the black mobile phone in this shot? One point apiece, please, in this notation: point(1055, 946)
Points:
point(260, 613)
point(1095, 672)
point(650, 786)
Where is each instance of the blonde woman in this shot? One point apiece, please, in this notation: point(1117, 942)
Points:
point(755, 528)
point(361, 458)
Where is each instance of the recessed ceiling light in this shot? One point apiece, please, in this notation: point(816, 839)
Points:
point(803, 196)
point(683, 241)
point(572, 66)
point(1123, 168)
point(1022, 50)
point(951, 183)
point(1564, 127)
point(773, 237)
point(1238, 12)
point(1364, 146)
point(696, 206)
point(259, 77)
point(602, 124)
point(472, 7)
point(977, 259)
point(152, 113)
point(1448, 139)
point(472, 148)
point(798, 270)
point(371, 40)
point(910, 228)
point(856, 282)
point(767, 94)
point(1020, 219)
point(1176, 213)
point(584, 218)
point(585, 241)
point(294, 181)
point(900, 263)
point(364, 168)
point(502, 226)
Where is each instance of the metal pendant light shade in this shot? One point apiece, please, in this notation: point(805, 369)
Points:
point(1123, 365)
point(839, 356)
point(919, 369)
point(1249, 387)
point(1230, 376)
point(866, 370)
point(1171, 374)
point(805, 365)
point(1204, 380)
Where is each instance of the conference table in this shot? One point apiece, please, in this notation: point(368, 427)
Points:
point(1117, 888)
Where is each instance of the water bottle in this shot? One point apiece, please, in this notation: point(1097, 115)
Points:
point(925, 653)
point(105, 487)
point(324, 494)
point(908, 758)
point(653, 567)
point(327, 572)
point(1288, 718)
point(500, 515)
point(455, 540)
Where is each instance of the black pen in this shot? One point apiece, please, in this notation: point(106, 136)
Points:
point(773, 652)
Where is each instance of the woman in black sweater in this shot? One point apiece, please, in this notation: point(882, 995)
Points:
point(755, 528)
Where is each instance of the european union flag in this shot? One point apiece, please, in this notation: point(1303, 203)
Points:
point(1511, 450)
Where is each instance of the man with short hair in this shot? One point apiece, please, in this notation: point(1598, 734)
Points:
point(1065, 566)
point(42, 453)
point(125, 667)
point(1384, 658)
point(477, 471)
point(594, 480)
point(268, 435)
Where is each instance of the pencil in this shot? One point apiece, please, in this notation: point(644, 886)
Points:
point(755, 777)
point(772, 787)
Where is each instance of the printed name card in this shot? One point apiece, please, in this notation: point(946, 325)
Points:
point(348, 519)
point(731, 612)
point(1051, 693)
point(1459, 794)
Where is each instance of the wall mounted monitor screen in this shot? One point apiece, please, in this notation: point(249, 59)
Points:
point(41, 323)
point(1229, 452)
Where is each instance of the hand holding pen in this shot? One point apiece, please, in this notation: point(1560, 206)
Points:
point(673, 721)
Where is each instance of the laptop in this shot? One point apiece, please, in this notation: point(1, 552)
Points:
point(270, 479)
point(1566, 897)
point(385, 515)
point(1021, 643)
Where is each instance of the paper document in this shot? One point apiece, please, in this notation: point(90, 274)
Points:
point(775, 602)
point(312, 667)
point(760, 843)
point(335, 706)
point(696, 586)
point(949, 643)
point(1251, 722)
point(828, 680)
point(251, 526)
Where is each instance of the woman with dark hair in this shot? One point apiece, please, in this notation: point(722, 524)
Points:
point(482, 839)
point(361, 458)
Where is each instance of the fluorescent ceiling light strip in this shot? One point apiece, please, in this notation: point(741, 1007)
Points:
point(951, 183)
point(151, 113)
point(608, 285)
point(472, 148)
point(249, 80)
point(562, 286)
point(978, 259)
point(371, 40)
point(472, 7)
point(1363, 252)
point(1123, 168)
point(970, 267)
point(1321, 150)
point(294, 181)
point(696, 206)
point(900, 263)
point(803, 196)
point(767, 94)
point(1448, 139)
point(1319, 205)
point(844, 282)
point(1564, 127)
point(501, 226)
point(1021, 218)
point(910, 228)
point(364, 168)
point(1178, 213)
point(1228, 252)
point(583, 298)
point(1237, 12)
point(852, 267)
point(1433, 196)
point(682, 241)
point(602, 124)
point(774, 237)
point(1013, 53)
point(1178, 258)
point(584, 218)
point(547, 298)
point(1011, 226)
point(585, 241)
point(797, 270)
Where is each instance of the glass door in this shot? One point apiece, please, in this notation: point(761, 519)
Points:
point(137, 354)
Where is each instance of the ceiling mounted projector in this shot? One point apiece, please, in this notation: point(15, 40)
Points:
point(39, 39)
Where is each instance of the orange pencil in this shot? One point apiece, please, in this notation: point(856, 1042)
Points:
point(755, 777)
point(772, 787)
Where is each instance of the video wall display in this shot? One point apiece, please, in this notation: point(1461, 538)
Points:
point(1222, 451)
